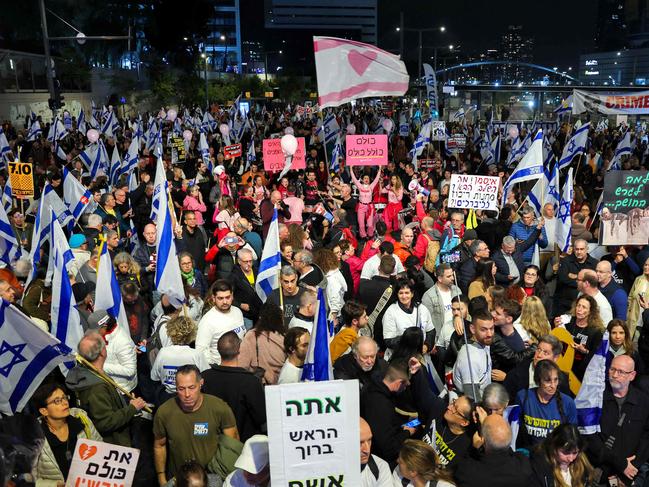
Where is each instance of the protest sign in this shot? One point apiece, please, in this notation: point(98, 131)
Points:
point(367, 150)
point(178, 151)
point(232, 151)
point(635, 103)
point(625, 211)
point(404, 129)
point(22, 181)
point(98, 463)
point(313, 433)
point(274, 158)
point(456, 143)
point(426, 164)
point(473, 192)
point(438, 131)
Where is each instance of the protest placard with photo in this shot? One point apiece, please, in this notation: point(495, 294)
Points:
point(625, 211)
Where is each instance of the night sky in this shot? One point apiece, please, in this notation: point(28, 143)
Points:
point(562, 29)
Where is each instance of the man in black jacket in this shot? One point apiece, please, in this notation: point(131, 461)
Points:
point(192, 240)
point(238, 387)
point(362, 363)
point(378, 402)
point(498, 466)
point(243, 279)
point(466, 272)
point(569, 268)
point(622, 446)
point(370, 292)
point(521, 376)
point(509, 259)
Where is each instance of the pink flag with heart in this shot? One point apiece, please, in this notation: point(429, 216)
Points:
point(347, 70)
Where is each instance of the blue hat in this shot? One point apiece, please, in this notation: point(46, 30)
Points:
point(77, 240)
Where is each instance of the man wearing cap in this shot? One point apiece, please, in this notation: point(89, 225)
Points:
point(465, 247)
point(79, 246)
point(252, 466)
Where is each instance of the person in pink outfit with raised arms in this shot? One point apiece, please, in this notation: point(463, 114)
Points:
point(366, 211)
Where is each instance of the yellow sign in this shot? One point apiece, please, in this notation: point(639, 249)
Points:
point(268, 94)
point(313, 94)
point(21, 179)
point(248, 94)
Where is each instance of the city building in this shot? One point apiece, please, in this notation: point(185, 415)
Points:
point(616, 68)
point(610, 28)
point(223, 45)
point(253, 57)
point(516, 46)
point(332, 15)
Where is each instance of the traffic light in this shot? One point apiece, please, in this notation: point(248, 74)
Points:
point(56, 102)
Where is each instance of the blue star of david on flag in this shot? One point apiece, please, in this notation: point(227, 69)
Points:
point(16, 356)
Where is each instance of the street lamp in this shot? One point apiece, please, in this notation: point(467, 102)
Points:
point(266, 53)
point(207, 97)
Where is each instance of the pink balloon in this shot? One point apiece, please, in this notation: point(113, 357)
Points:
point(187, 135)
point(387, 125)
point(172, 114)
point(289, 144)
point(351, 129)
point(224, 128)
point(289, 130)
point(93, 135)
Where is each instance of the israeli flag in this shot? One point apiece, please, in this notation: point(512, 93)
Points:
point(330, 128)
point(81, 122)
point(270, 263)
point(564, 227)
point(109, 297)
point(546, 190)
point(337, 154)
point(167, 273)
point(29, 355)
point(7, 197)
point(75, 195)
point(251, 156)
point(95, 158)
point(10, 249)
point(57, 131)
point(115, 167)
point(317, 366)
point(157, 151)
point(34, 131)
point(458, 115)
point(132, 157)
point(565, 106)
point(5, 150)
point(590, 397)
point(107, 126)
point(513, 416)
point(205, 151)
point(66, 324)
point(575, 146)
point(623, 149)
point(530, 167)
point(151, 137)
point(422, 139)
point(238, 127)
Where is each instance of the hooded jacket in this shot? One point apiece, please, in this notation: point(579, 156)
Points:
point(108, 410)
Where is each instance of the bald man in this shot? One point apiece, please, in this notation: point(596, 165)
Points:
point(588, 284)
point(622, 446)
point(267, 207)
point(498, 466)
point(614, 293)
point(375, 472)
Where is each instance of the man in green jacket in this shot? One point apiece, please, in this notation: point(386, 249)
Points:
point(110, 412)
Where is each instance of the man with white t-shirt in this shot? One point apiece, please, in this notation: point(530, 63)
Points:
point(588, 284)
point(223, 317)
point(371, 266)
point(296, 344)
point(438, 299)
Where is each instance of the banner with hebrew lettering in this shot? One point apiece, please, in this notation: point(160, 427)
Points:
point(98, 463)
point(366, 150)
point(474, 192)
point(313, 433)
point(625, 212)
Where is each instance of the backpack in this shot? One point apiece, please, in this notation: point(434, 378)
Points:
point(446, 254)
point(432, 249)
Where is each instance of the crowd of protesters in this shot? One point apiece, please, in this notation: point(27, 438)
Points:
point(414, 289)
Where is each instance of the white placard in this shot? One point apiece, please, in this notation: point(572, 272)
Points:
point(98, 463)
point(438, 131)
point(313, 433)
point(474, 192)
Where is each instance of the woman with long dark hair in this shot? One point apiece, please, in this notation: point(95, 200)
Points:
point(419, 466)
point(484, 278)
point(263, 346)
point(560, 460)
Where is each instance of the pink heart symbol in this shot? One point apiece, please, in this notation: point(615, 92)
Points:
point(360, 60)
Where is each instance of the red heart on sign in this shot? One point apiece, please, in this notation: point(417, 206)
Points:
point(360, 60)
point(85, 451)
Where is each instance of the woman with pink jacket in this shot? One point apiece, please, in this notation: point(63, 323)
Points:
point(194, 202)
point(365, 209)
